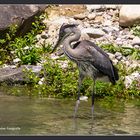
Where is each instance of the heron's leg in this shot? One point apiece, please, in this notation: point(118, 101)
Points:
point(93, 96)
point(81, 77)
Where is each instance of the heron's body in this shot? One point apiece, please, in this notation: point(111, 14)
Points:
point(84, 54)
point(91, 60)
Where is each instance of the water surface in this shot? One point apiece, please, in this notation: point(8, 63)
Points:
point(25, 116)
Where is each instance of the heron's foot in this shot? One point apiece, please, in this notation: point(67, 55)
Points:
point(76, 108)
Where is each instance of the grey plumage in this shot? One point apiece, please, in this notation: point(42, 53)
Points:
point(91, 60)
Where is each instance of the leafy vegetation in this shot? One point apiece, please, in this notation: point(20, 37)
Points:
point(134, 53)
point(136, 30)
point(4, 49)
point(22, 47)
point(55, 81)
point(61, 82)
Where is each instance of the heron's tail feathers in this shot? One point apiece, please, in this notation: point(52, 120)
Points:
point(116, 73)
point(115, 76)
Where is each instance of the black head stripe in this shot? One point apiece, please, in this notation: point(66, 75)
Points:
point(64, 26)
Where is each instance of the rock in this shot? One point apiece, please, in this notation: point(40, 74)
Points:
point(128, 36)
point(124, 58)
point(22, 15)
point(53, 56)
point(135, 64)
point(118, 56)
point(107, 23)
point(86, 25)
point(26, 48)
point(44, 35)
point(133, 77)
point(136, 41)
point(99, 14)
point(80, 16)
point(137, 47)
point(38, 37)
point(13, 66)
point(54, 26)
point(16, 60)
point(63, 64)
point(57, 21)
point(111, 56)
point(115, 61)
point(119, 41)
point(35, 69)
point(84, 36)
point(93, 33)
point(111, 6)
point(129, 15)
point(108, 29)
point(116, 28)
point(90, 8)
point(91, 16)
point(98, 19)
point(128, 63)
point(129, 46)
point(41, 81)
point(11, 75)
point(52, 34)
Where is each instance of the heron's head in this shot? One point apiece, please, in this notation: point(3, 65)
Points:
point(65, 31)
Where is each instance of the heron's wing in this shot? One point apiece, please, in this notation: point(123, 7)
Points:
point(91, 53)
point(91, 44)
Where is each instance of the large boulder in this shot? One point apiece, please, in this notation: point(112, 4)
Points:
point(129, 15)
point(10, 75)
point(23, 15)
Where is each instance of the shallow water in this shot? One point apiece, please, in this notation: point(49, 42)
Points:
point(25, 116)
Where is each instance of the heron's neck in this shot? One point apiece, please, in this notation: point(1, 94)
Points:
point(69, 51)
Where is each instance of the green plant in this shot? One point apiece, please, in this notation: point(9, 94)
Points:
point(17, 46)
point(110, 47)
point(124, 50)
point(30, 76)
point(6, 37)
point(38, 26)
point(27, 54)
point(136, 30)
point(62, 82)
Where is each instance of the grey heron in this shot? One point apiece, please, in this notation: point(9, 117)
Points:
point(91, 60)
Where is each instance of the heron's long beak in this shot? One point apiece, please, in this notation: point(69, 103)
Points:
point(58, 43)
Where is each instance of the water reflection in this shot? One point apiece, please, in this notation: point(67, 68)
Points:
point(24, 116)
